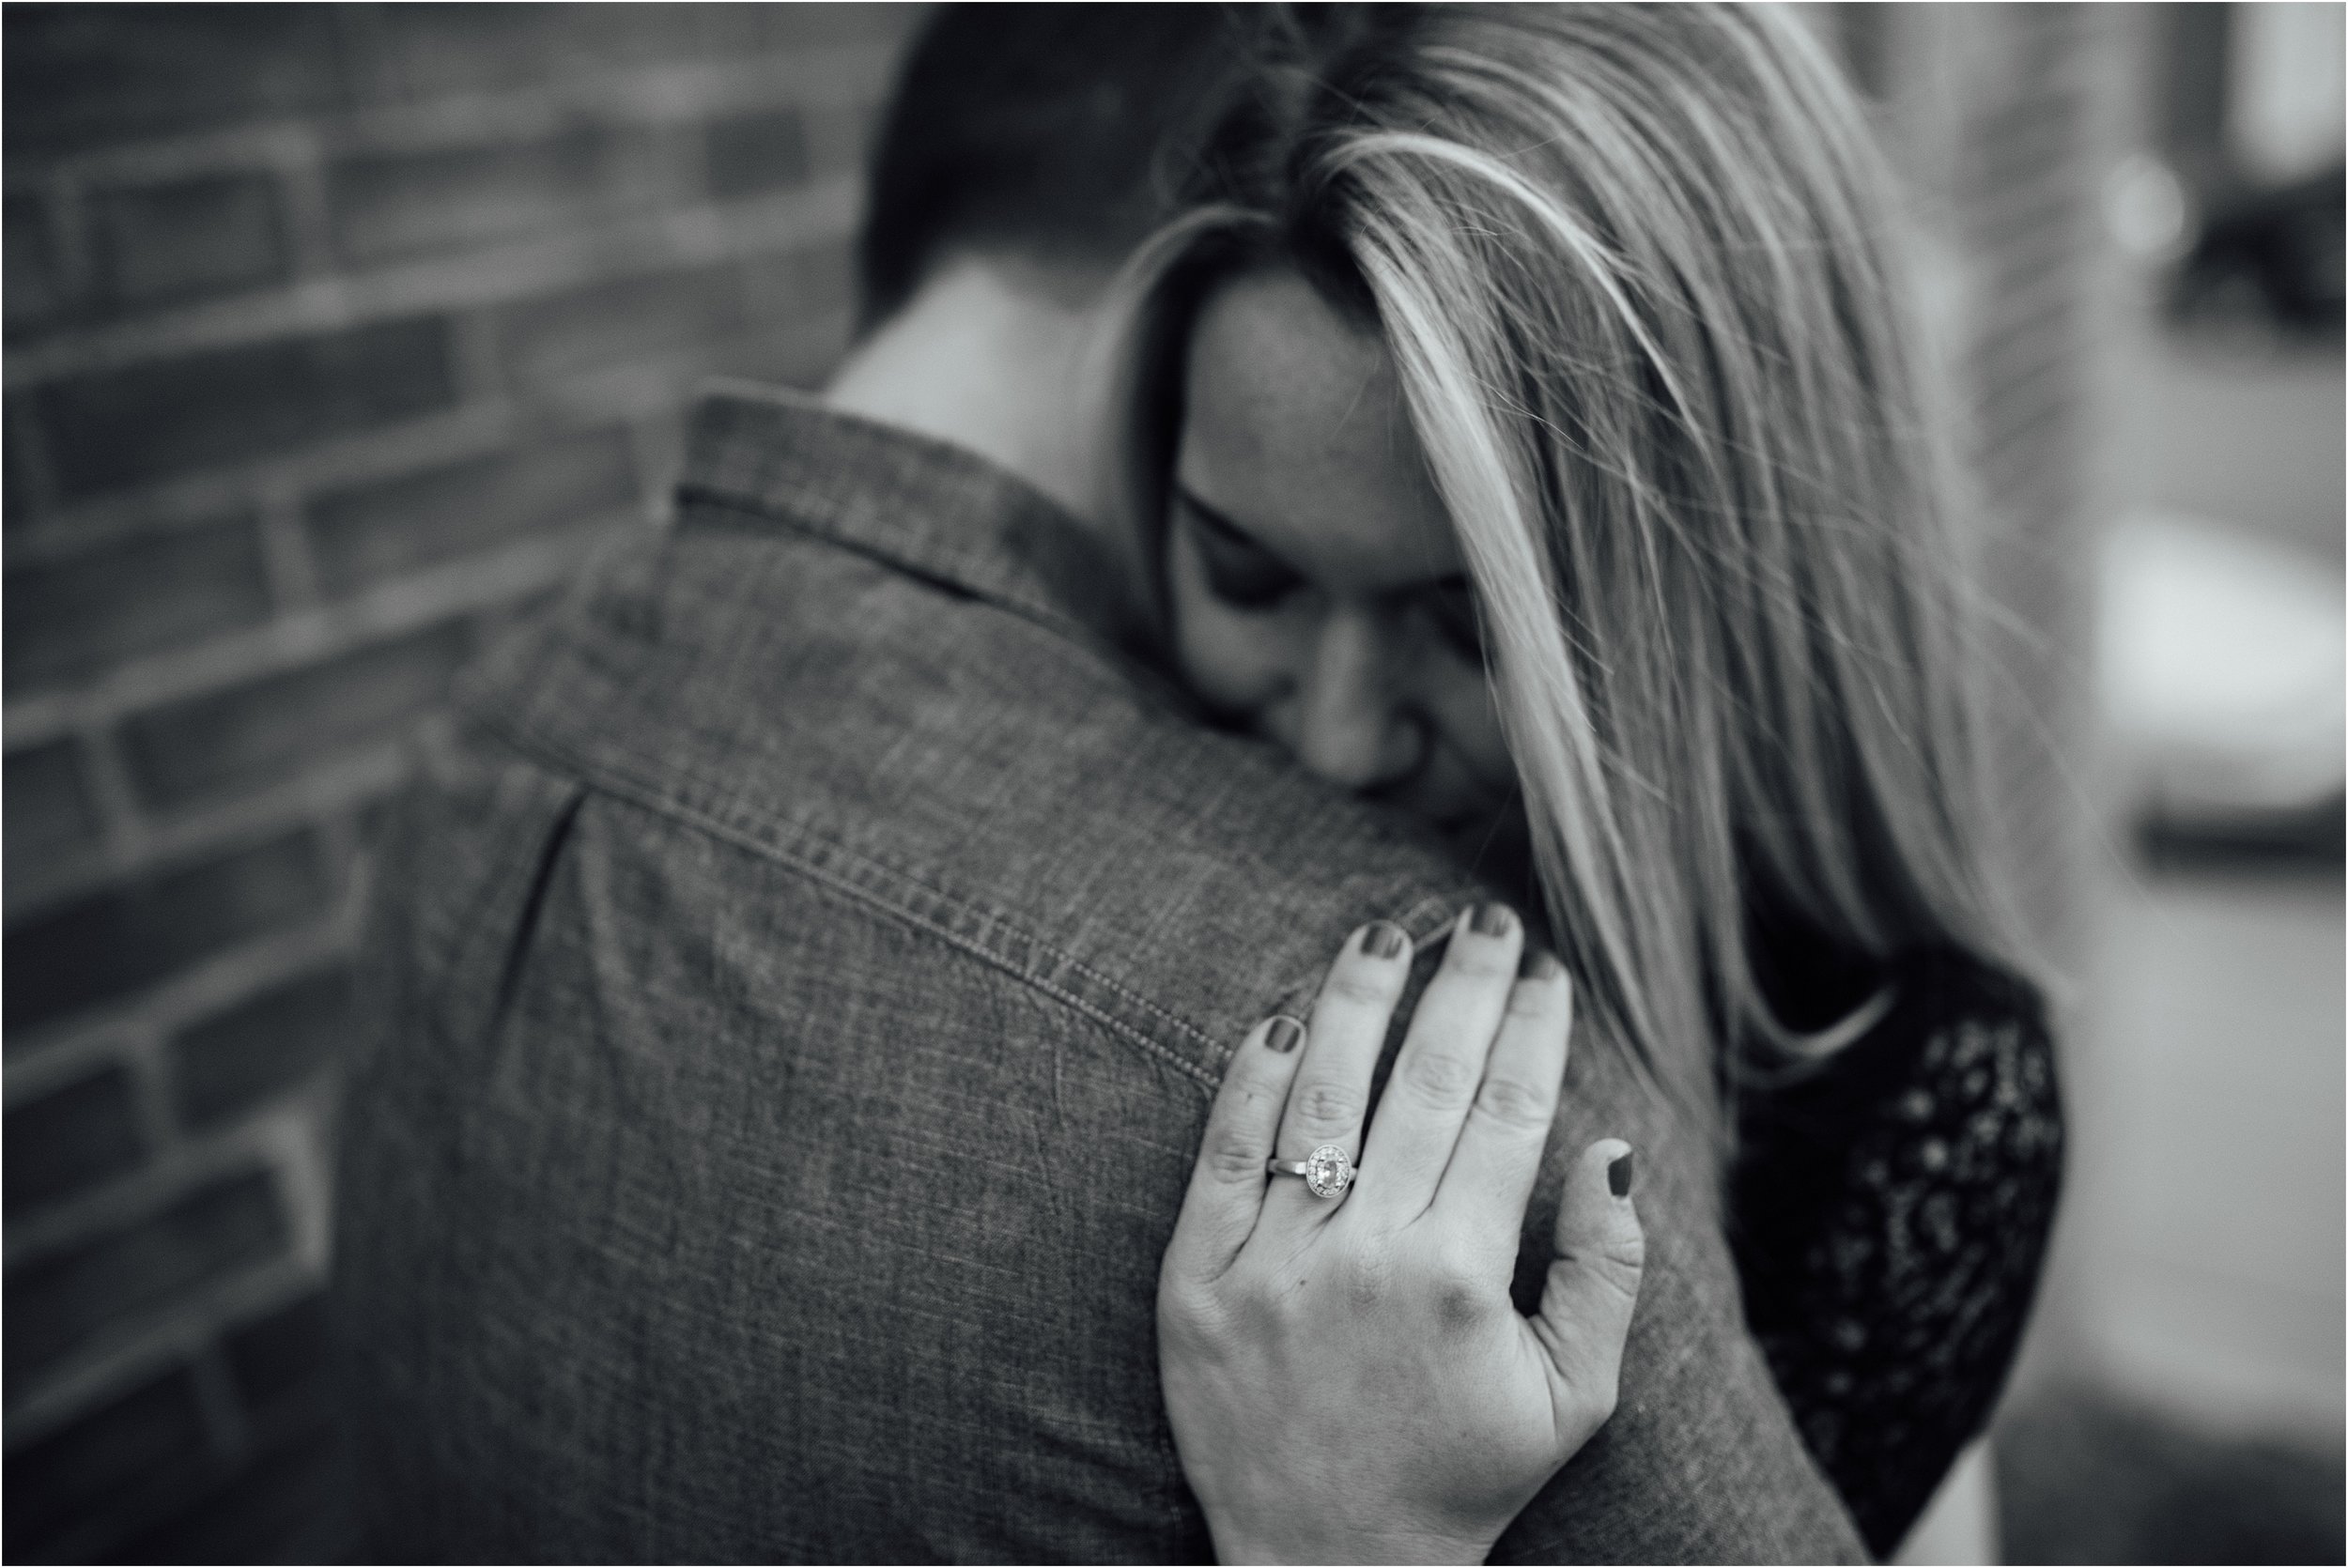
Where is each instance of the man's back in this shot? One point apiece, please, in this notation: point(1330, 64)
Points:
point(805, 996)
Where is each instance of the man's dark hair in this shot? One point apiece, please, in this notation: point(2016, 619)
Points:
point(1052, 133)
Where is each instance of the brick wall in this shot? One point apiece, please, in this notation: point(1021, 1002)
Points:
point(334, 334)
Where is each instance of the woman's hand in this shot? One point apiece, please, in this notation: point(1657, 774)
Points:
point(1347, 1377)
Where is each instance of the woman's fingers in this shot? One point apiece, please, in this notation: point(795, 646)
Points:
point(1498, 1153)
point(1341, 1045)
point(1226, 1184)
point(1592, 1289)
point(1437, 1073)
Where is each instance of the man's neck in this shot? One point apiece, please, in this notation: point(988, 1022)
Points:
point(994, 363)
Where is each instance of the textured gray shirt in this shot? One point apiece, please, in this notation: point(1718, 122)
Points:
point(801, 993)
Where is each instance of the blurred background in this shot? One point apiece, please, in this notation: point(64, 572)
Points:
point(337, 335)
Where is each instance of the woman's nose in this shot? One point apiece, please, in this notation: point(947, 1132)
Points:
point(1351, 726)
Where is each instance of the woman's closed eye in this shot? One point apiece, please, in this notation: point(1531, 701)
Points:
point(1246, 576)
point(1241, 572)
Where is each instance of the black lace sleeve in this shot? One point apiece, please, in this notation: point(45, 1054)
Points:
point(1890, 1217)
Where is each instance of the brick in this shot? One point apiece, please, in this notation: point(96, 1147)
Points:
point(361, 535)
point(615, 323)
point(249, 735)
point(498, 619)
point(391, 205)
point(288, 1503)
point(60, 1303)
point(36, 292)
point(86, 613)
point(51, 819)
point(376, 819)
point(236, 1059)
point(803, 358)
point(804, 301)
point(149, 1436)
point(808, 284)
point(25, 497)
point(839, 138)
point(71, 1139)
point(157, 244)
point(426, 50)
point(80, 76)
point(746, 154)
point(801, 26)
point(113, 429)
point(106, 944)
point(281, 1358)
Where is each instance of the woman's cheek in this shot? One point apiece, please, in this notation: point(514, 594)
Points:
point(1224, 660)
point(1230, 660)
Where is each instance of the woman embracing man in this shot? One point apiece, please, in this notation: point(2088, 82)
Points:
point(1511, 422)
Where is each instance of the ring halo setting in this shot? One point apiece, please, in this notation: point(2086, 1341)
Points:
point(1328, 1172)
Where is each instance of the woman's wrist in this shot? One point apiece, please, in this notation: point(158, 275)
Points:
point(1255, 1518)
point(1291, 1545)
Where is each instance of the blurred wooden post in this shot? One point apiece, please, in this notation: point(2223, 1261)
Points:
point(2001, 122)
point(1995, 117)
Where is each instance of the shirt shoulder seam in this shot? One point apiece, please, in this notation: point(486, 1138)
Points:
point(948, 918)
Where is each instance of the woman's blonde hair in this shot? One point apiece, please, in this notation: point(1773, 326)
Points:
point(1632, 263)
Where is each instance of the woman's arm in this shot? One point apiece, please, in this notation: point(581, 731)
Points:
point(1346, 1377)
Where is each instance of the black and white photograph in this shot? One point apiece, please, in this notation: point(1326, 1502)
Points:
point(1320, 783)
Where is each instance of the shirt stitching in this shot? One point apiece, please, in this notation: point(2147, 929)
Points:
point(518, 730)
point(786, 848)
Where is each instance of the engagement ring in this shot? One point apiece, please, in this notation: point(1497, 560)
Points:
point(1327, 1171)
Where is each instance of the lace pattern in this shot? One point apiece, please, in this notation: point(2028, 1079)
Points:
point(1891, 1217)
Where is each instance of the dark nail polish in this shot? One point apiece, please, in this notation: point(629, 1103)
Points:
point(1540, 964)
point(1385, 941)
point(1492, 920)
point(1285, 1035)
point(1618, 1177)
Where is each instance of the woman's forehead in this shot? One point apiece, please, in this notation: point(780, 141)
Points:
point(1295, 429)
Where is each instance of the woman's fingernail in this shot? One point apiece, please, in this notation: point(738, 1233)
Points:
point(1285, 1035)
point(1541, 964)
point(1619, 1176)
point(1492, 920)
point(1384, 940)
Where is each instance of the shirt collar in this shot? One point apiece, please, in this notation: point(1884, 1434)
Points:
point(758, 454)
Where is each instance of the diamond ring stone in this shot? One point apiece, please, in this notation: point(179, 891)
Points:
point(1328, 1171)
